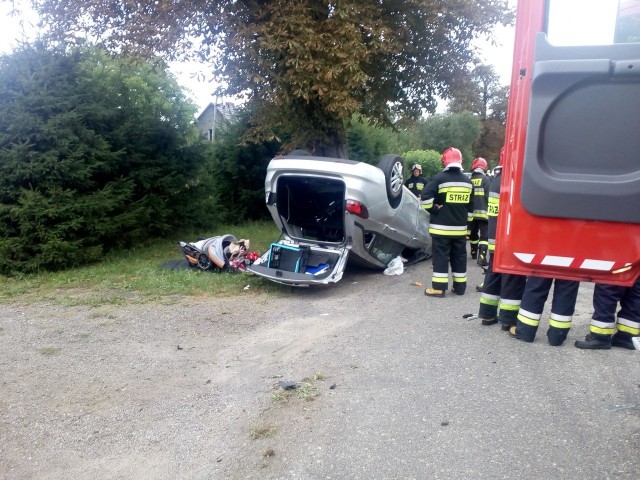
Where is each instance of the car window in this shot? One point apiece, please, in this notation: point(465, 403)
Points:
point(384, 249)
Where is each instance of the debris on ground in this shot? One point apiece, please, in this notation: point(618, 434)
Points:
point(288, 384)
point(395, 267)
point(221, 253)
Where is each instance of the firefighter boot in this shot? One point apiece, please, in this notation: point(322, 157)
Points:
point(623, 340)
point(593, 341)
point(506, 324)
point(482, 256)
point(459, 288)
point(523, 332)
point(557, 336)
point(474, 252)
point(432, 292)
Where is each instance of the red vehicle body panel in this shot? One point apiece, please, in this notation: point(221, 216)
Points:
point(572, 249)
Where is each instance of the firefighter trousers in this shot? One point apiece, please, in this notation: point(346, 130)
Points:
point(606, 298)
point(479, 240)
point(563, 304)
point(501, 295)
point(449, 250)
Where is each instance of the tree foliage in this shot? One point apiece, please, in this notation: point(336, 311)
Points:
point(482, 94)
point(367, 142)
point(308, 65)
point(442, 131)
point(95, 152)
point(238, 172)
point(476, 92)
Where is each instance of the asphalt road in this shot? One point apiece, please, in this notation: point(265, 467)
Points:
point(421, 393)
point(392, 385)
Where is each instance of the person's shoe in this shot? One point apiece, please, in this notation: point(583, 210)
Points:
point(591, 342)
point(480, 287)
point(514, 333)
point(483, 263)
point(489, 321)
point(557, 336)
point(458, 292)
point(555, 341)
point(621, 341)
point(432, 292)
point(474, 255)
point(505, 327)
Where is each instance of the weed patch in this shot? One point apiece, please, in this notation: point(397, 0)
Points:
point(49, 351)
point(263, 431)
point(306, 390)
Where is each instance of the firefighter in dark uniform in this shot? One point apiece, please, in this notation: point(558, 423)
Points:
point(449, 200)
point(536, 291)
point(607, 330)
point(478, 226)
point(416, 182)
point(501, 292)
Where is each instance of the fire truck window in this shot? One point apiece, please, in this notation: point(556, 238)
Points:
point(628, 26)
point(593, 22)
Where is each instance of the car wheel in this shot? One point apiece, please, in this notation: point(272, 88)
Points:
point(393, 168)
point(204, 262)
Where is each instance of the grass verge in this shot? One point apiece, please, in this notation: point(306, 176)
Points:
point(138, 275)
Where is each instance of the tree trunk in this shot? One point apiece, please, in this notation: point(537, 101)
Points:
point(333, 146)
point(334, 150)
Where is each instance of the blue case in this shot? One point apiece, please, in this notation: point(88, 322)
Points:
point(287, 258)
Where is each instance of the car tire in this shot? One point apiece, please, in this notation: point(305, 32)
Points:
point(204, 262)
point(393, 167)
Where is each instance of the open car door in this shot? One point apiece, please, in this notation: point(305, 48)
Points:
point(570, 192)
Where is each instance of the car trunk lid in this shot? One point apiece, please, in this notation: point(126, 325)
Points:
point(310, 212)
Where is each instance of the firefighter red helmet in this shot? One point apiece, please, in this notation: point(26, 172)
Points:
point(479, 163)
point(452, 158)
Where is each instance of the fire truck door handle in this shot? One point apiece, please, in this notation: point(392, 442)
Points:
point(625, 68)
point(554, 67)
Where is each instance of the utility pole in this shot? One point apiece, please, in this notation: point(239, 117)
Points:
point(215, 112)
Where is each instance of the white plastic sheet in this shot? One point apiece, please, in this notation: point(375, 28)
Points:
point(395, 267)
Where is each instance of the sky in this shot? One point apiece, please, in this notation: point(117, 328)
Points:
point(499, 55)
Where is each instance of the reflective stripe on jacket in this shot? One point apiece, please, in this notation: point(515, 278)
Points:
point(448, 198)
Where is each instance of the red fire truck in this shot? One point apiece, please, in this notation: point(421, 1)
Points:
point(570, 192)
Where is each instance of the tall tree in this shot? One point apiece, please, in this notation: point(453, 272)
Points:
point(481, 93)
point(308, 65)
point(476, 92)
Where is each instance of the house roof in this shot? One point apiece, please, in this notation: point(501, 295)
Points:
point(225, 109)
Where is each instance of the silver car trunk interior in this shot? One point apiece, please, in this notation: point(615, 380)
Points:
point(312, 208)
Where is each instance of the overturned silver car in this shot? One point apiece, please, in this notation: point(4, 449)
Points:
point(330, 210)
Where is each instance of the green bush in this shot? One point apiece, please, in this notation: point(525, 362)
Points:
point(459, 130)
point(238, 172)
point(369, 143)
point(96, 152)
point(430, 160)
